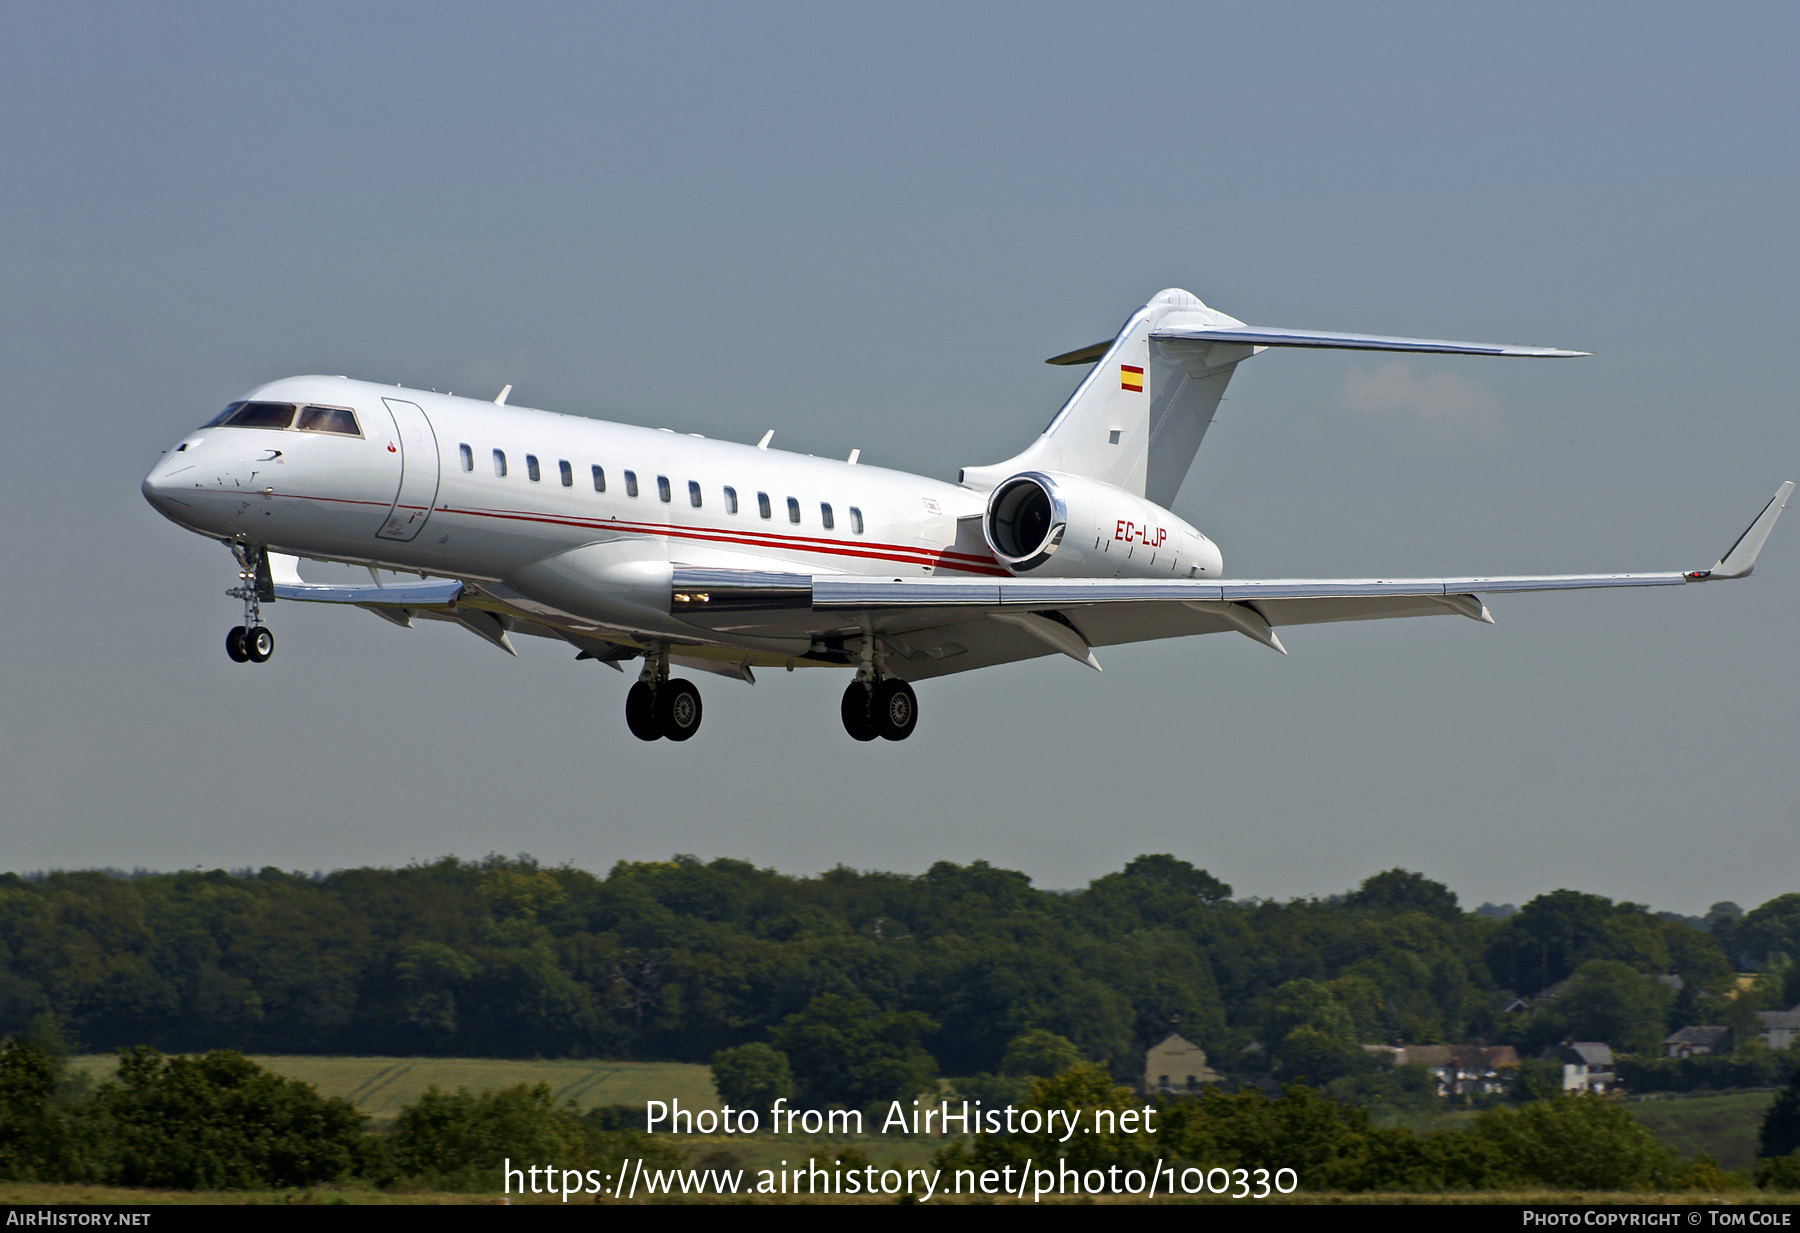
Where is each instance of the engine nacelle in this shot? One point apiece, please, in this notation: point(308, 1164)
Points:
point(1051, 525)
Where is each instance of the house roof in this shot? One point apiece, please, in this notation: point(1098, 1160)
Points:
point(1588, 1053)
point(1708, 1035)
point(1481, 1058)
point(1780, 1018)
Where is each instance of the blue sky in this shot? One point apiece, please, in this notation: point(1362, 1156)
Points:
point(866, 227)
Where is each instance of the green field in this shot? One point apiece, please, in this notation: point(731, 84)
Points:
point(1725, 1125)
point(380, 1085)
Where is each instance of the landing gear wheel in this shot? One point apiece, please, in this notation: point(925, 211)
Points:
point(640, 713)
point(858, 721)
point(896, 710)
point(259, 644)
point(234, 645)
point(678, 709)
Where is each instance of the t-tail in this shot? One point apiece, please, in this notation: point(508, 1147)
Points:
point(1138, 417)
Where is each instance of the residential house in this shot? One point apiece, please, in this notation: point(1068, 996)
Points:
point(1587, 1066)
point(1693, 1041)
point(1458, 1069)
point(1176, 1065)
point(1779, 1027)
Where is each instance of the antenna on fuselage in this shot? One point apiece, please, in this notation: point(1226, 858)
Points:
point(854, 455)
point(767, 437)
point(500, 398)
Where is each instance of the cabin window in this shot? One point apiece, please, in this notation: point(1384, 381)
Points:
point(825, 517)
point(794, 511)
point(693, 494)
point(568, 473)
point(599, 479)
point(631, 483)
point(662, 488)
point(257, 415)
point(468, 457)
point(500, 463)
point(762, 504)
point(856, 520)
point(531, 468)
point(731, 500)
point(339, 420)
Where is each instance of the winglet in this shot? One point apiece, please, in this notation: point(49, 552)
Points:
point(1740, 558)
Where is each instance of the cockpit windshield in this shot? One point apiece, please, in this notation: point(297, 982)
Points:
point(280, 415)
point(255, 415)
point(329, 419)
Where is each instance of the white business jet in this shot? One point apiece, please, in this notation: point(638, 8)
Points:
point(641, 544)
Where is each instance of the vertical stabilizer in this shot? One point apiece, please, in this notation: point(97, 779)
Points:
point(1137, 419)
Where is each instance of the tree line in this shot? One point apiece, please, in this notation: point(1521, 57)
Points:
point(683, 959)
point(220, 1122)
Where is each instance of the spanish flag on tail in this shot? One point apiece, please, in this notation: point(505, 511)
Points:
point(1131, 378)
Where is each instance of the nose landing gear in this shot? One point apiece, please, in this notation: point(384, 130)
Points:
point(658, 707)
point(251, 642)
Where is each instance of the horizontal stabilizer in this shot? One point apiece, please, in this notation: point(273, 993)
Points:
point(1252, 336)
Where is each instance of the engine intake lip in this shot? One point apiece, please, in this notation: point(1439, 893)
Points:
point(1025, 521)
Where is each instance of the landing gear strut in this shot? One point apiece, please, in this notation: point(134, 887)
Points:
point(658, 707)
point(252, 642)
point(876, 704)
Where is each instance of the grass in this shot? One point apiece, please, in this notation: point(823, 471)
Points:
point(1725, 1125)
point(380, 1085)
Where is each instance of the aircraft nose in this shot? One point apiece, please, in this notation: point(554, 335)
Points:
point(164, 482)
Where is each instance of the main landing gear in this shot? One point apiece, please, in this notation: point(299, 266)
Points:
point(878, 705)
point(252, 642)
point(658, 707)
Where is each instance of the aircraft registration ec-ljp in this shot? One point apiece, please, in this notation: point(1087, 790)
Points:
point(637, 544)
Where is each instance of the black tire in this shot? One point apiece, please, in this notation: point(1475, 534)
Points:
point(259, 644)
point(234, 645)
point(640, 713)
point(678, 709)
point(858, 721)
point(896, 710)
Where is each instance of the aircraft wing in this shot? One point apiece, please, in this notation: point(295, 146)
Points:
point(939, 625)
point(935, 626)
